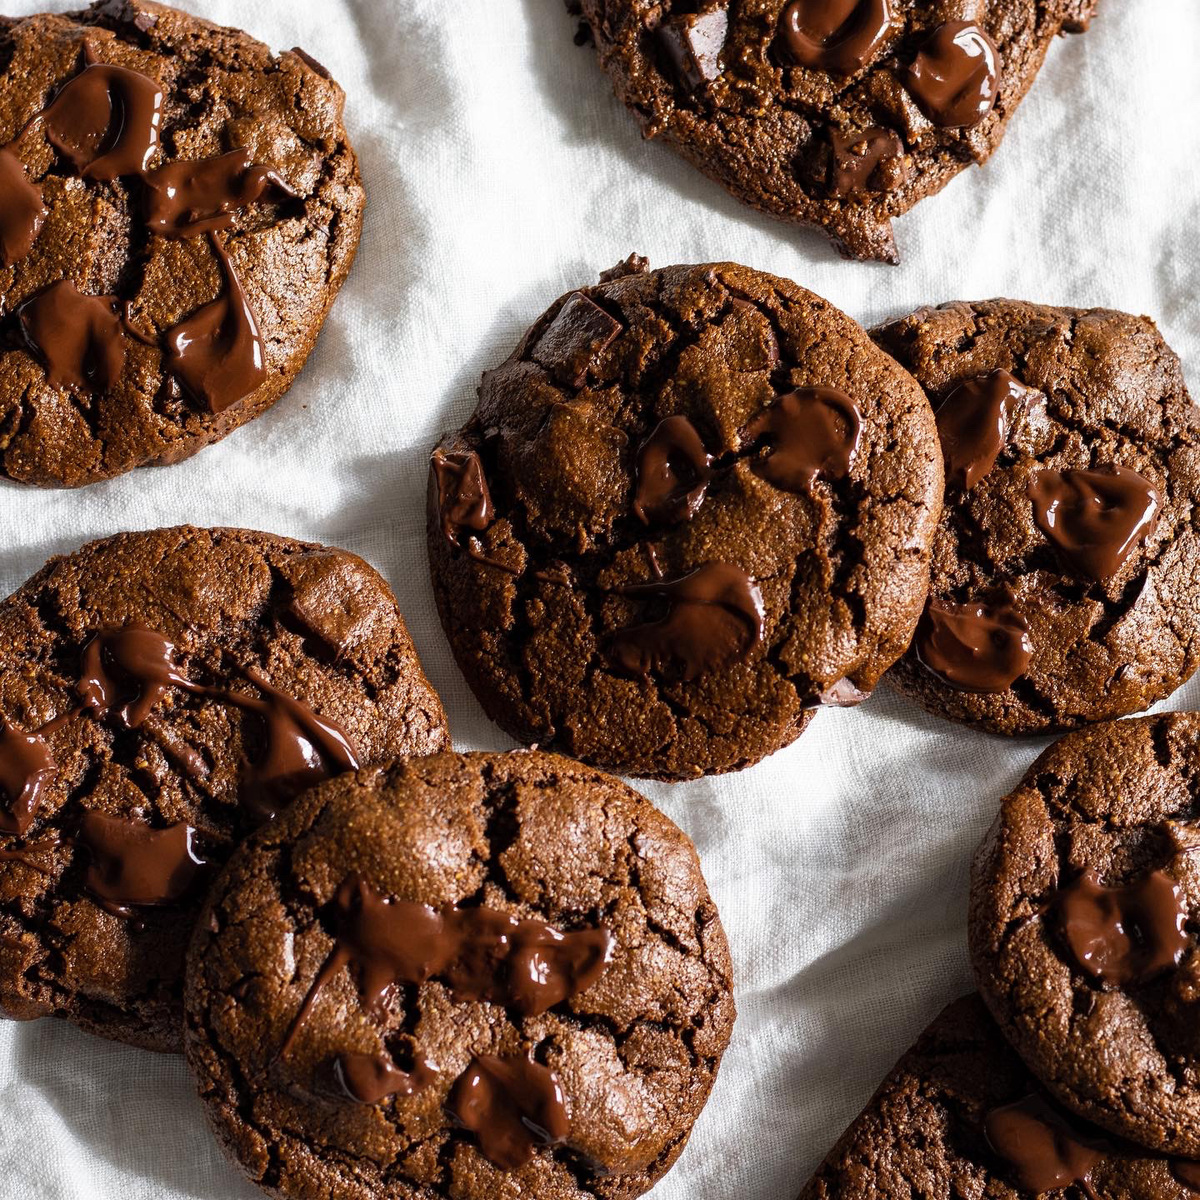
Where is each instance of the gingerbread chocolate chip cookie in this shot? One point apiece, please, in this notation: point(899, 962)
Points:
point(959, 1115)
point(1084, 902)
point(694, 505)
point(178, 209)
point(837, 113)
point(1064, 585)
point(461, 976)
point(161, 695)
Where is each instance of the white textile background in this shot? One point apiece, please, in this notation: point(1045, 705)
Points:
point(500, 173)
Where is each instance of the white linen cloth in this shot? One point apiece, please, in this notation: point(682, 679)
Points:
point(500, 173)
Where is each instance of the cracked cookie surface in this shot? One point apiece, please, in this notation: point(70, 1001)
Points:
point(289, 220)
point(531, 836)
point(1084, 897)
point(694, 504)
point(835, 113)
point(1065, 636)
point(161, 694)
point(959, 1115)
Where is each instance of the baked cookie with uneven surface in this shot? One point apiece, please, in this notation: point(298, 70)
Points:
point(161, 695)
point(1084, 903)
point(836, 113)
point(959, 1115)
point(1065, 586)
point(694, 505)
point(178, 209)
point(462, 976)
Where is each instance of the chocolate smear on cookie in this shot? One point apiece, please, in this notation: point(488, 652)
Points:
point(839, 36)
point(80, 339)
point(974, 423)
point(26, 768)
point(976, 647)
point(21, 210)
point(372, 1078)
point(1043, 1149)
point(673, 473)
point(464, 501)
point(808, 434)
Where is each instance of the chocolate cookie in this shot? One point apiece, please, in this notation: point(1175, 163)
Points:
point(1064, 586)
point(693, 505)
point(178, 209)
point(462, 976)
point(161, 695)
point(960, 1116)
point(837, 113)
point(1084, 900)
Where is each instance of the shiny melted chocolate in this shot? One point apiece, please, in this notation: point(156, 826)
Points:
point(217, 352)
point(127, 672)
point(1095, 519)
point(1125, 934)
point(512, 1106)
point(464, 501)
point(1044, 1151)
point(373, 1078)
point(974, 423)
point(135, 866)
point(838, 36)
point(974, 647)
point(810, 433)
point(80, 339)
point(714, 617)
point(26, 769)
point(480, 952)
point(955, 76)
point(21, 210)
point(673, 473)
point(858, 157)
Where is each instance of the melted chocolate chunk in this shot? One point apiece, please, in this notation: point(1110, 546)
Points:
point(127, 672)
point(133, 865)
point(464, 500)
point(481, 953)
point(106, 121)
point(193, 197)
point(217, 352)
point(80, 339)
point(673, 473)
point(1095, 519)
point(974, 423)
point(809, 433)
point(714, 617)
point(373, 1078)
point(839, 36)
point(693, 43)
point(974, 647)
point(955, 77)
point(1126, 934)
point(577, 336)
point(869, 155)
point(1187, 1173)
point(302, 749)
point(512, 1106)
point(26, 768)
point(1040, 1145)
point(21, 210)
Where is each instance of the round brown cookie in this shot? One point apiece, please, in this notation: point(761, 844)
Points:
point(466, 975)
point(693, 505)
point(1064, 585)
point(178, 209)
point(837, 113)
point(1084, 901)
point(162, 694)
point(959, 1115)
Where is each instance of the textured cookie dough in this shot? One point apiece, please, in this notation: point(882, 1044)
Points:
point(1084, 897)
point(530, 835)
point(933, 1130)
point(645, 428)
point(251, 616)
point(290, 246)
point(1100, 388)
point(828, 128)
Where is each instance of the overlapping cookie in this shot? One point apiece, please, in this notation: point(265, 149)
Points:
point(836, 113)
point(178, 210)
point(464, 976)
point(161, 695)
point(693, 506)
point(1063, 571)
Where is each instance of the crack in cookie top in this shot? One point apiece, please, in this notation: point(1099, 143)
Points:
point(142, 125)
point(690, 493)
point(836, 113)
